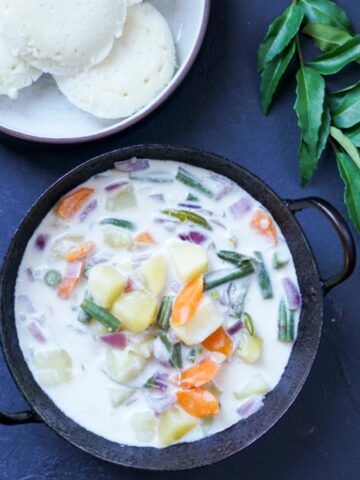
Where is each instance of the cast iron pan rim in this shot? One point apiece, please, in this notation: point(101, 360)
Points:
point(59, 188)
point(136, 117)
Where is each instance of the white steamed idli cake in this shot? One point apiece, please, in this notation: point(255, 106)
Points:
point(15, 74)
point(140, 65)
point(62, 37)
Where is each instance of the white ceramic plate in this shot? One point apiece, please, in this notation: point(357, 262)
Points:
point(43, 114)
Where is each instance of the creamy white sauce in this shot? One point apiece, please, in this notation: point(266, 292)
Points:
point(86, 398)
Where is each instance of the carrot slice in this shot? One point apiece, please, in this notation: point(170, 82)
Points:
point(72, 203)
point(187, 301)
point(80, 252)
point(220, 342)
point(198, 402)
point(145, 237)
point(200, 374)
point(263, 223)
point(66, 287)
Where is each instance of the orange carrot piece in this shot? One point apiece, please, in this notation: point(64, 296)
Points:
point(72, 203)
point(198, 402)
point(66, 287)
point(220, 342)
point(80, 252)
point(187, 301)
point(145, 237)
point(200, 374)
point(263, 223)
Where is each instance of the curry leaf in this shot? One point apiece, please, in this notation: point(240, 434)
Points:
point(346, 144)
point(326, 37)
point(334, 61)
point(350, 175)
point(279, 35)
point(272, 74)
point(346, 113)
point(309, 158)
point(309, 106)
point(354, 135)
point(326, 12)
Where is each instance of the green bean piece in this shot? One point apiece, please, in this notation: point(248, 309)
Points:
point(192, 355)
point(100, 314)
point(192, 198)
point(152, 177)
point(249, 325)
point(118, 222)
point(186, 216)
point(184, 176)
point(164, 313)
point(264, 279)
point(84, 317)
point(233, 257)
point(52, 278)
point(286, 323)
point(278, 263)
point(290, 334)
point(150, 382)
point(226, 275)
point(174, 350)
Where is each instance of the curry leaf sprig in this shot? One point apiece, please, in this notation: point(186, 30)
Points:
point(323, 116)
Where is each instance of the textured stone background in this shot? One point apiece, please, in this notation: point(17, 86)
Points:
point(217, 109)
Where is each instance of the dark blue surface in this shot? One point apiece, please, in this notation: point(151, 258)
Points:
point(217, 109)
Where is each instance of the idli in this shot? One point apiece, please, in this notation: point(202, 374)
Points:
point(15, 74)
point(140, 65)
point(62, 37)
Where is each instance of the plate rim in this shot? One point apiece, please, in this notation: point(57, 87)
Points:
point(134, 119)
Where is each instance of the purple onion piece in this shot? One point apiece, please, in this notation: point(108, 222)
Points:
point(36, 332)
point(30, 274)
point(193, 236)
point(158, 197)
point(226, 185)
point(114, 186)
point(235, 328)
point(159, 403)
point(26, 304)
point(251, 406)
point(241, 207)
point(160, 352)
point(132, 165)
point(90, 207)
point(189, 205)
point(292, 294)
point(41, 241)
point(161, 380)
point(115, 340)
point(161, 221)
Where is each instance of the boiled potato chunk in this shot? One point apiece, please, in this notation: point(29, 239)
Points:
point(202, 324)
point(250, 348)
point(117, 238)
point(105, 285)
point(190, 260)
point(119, 394)
point(144, 425)
point(53, 367)
point(154, 273)
point(257, 385)
point(123, 198)
point(173, 425)
point(124, 365)
point(144, 347)
point(136, 310)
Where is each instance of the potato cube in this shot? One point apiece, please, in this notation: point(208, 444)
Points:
point(117, 238)
point(202, 324)
point(119, 394)
point(122, 198)
point(190, 260)
point(144, 425)
point(250, 348)
point(53, 367)
point(154, 273)
point(136, 310)
point(173, 425)
point(105, 285)
point(124, 365)
point(257, 385)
